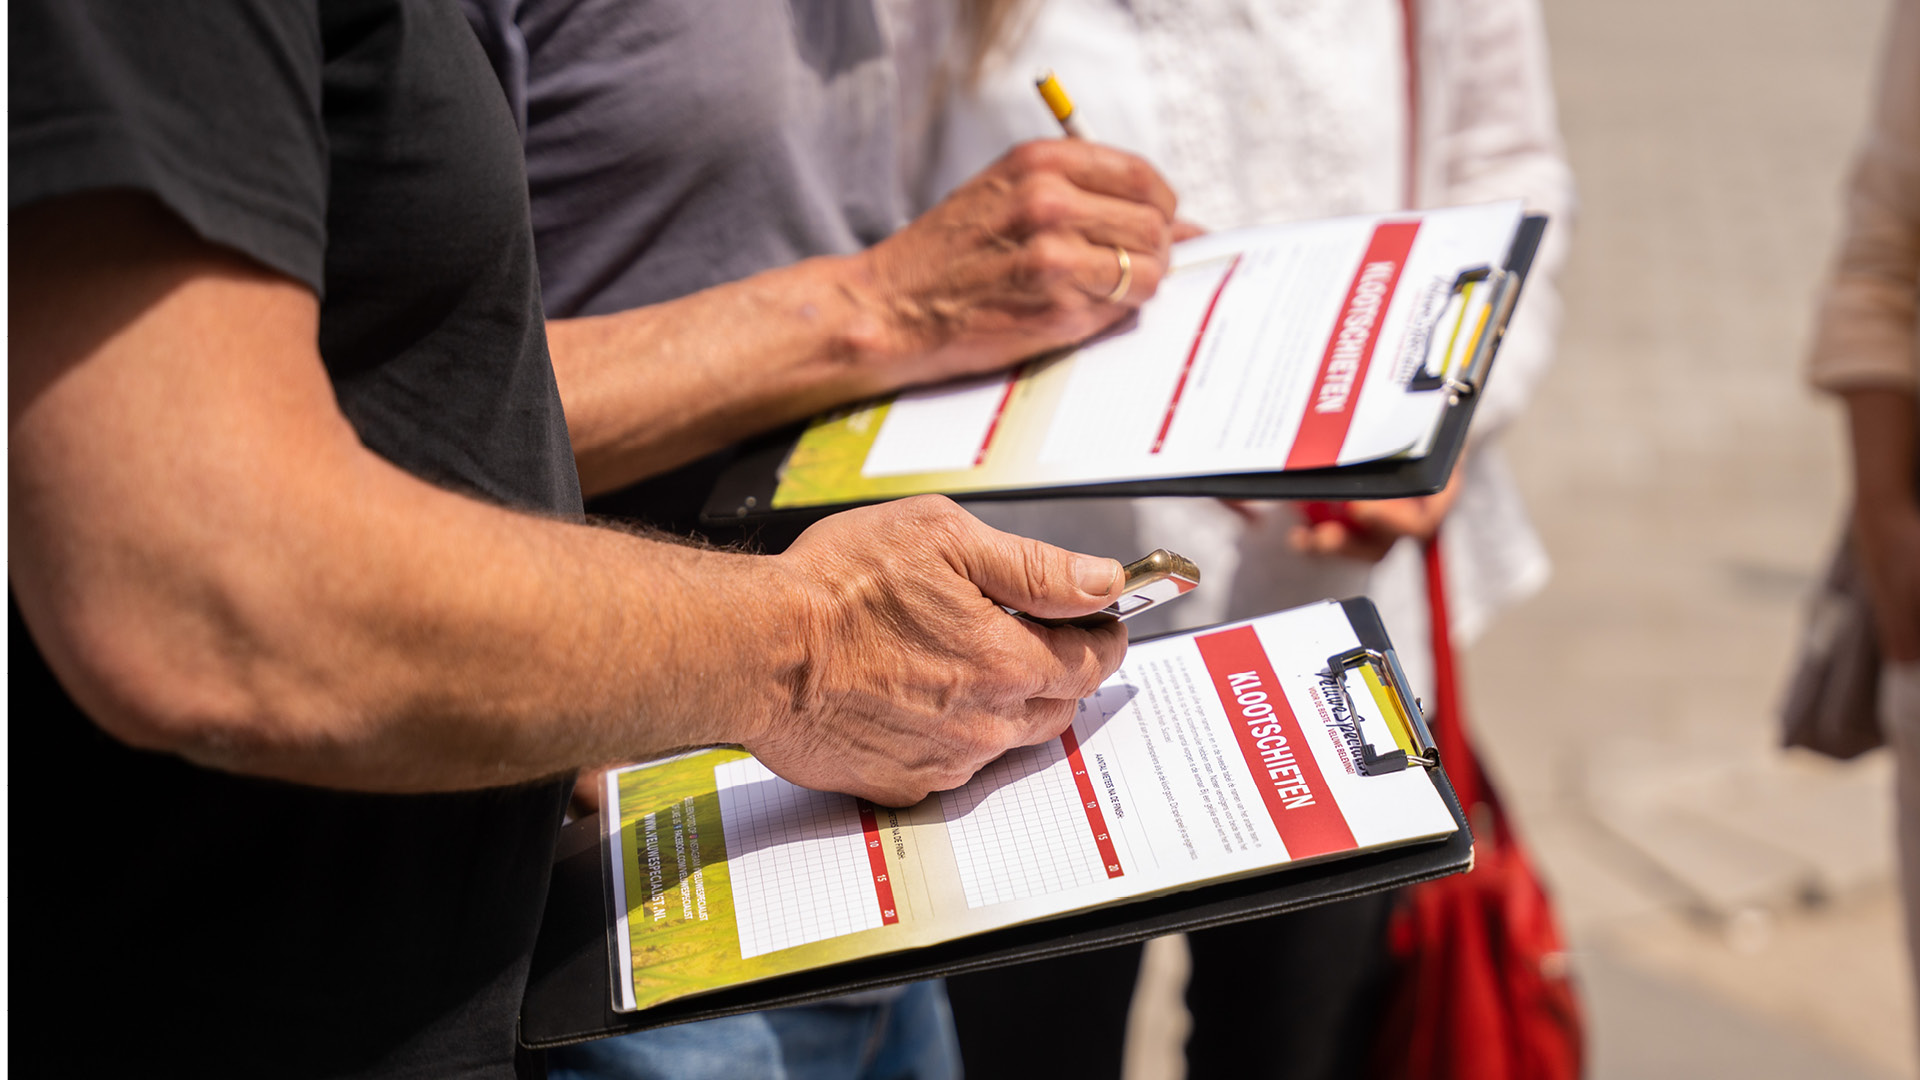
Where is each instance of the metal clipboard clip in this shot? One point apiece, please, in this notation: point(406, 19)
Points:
point(1501, 290)
point(1399, 709)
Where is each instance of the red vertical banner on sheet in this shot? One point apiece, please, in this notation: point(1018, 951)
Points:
point(999, 411)
point(1193, 353)
point(1343, 367)
point(877, 862)
point(1090, 801)
point(1283, 767)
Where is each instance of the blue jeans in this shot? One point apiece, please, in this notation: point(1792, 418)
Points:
point(905, 1035)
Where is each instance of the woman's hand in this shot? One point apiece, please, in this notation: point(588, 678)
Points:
point(1368, 530)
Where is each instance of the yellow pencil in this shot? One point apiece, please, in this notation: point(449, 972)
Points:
point(1057, 100)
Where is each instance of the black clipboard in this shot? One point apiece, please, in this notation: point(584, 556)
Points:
point(744, 490)
point(569, 996)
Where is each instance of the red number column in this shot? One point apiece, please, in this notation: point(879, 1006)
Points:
point(877, 862)
point(1091, 801)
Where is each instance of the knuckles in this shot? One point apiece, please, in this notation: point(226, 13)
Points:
point(926, 518)
point(1043, 201)
point(930, 508)
point(1028, 158)
point(1160, 231)
point(1109, 651)
point(1140, 177)
point(1001, 669)
point(1103, 648)
point(1048, 719)
point(894, 795)
point(1085, 672)
point(961, 772)
point(1050, 260)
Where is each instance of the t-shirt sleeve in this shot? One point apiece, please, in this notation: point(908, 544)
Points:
point(212, 106)
point(496, 23)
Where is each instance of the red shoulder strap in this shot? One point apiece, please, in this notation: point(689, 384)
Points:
point(1449, 721)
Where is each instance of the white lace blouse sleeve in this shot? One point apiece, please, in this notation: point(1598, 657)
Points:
point(1499, 138)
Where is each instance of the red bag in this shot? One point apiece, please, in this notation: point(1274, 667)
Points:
point(1481, 987)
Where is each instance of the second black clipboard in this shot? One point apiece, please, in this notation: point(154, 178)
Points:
point(744, 492)
point(569, 997)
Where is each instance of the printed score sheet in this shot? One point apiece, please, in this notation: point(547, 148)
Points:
point(1207, 756)
point(1265, 349)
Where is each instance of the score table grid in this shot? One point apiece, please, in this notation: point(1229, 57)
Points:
point(1033, 832)
point(797, 858)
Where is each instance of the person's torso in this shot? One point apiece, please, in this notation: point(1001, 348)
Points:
point(223, 925)
point(673, 145)
point(1278, 111)
point(1256, 111)
point(431, 326)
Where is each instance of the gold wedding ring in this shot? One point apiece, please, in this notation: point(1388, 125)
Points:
point(1119, 292)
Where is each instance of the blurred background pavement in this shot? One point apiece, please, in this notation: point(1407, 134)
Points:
point(1732, 906)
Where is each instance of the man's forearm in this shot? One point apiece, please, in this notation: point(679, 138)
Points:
point(481, 647)
point(373, 632)
point(655, 387)
point(215, 565)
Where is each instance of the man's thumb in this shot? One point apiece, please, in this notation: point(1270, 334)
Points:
point(1043, 580)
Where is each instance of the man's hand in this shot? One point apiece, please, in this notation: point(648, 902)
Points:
point(914, 677)
point(1021, 259)
point(215, 566)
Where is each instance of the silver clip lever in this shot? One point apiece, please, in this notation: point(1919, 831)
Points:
point(1387, 667)
point(1502, 291)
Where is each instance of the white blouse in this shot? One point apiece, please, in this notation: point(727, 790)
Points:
point(1263, 111)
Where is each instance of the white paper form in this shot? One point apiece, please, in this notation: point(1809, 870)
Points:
point(1215, 754)
point(1448, 243)
point(784, 836)
point(1123, 387)
point(1019, 830)
point(1268, 349)
point(940, 429)
point(1302, 370)
point(1207, 756)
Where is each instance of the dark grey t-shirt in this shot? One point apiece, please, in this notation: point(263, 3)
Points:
point(673, 145)
point(198, 923)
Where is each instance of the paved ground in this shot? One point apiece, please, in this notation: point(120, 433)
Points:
point(1731, 904)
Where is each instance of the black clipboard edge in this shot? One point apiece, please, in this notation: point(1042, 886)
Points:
point(746, 486)
point(569, 986)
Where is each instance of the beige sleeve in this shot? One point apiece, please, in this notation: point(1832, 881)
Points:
point(1865, 332)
